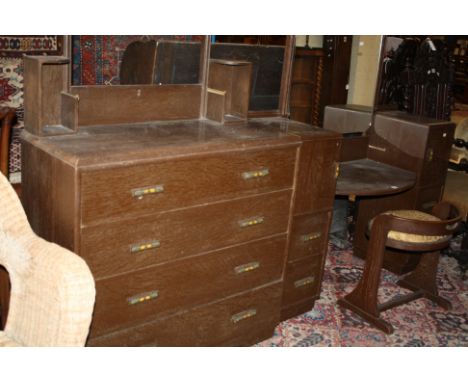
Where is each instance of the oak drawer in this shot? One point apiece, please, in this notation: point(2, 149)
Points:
point(128, 191)
point(302, 279)
point(131, 244)
point(244, 319)
point(309, 235)
point(136, 297)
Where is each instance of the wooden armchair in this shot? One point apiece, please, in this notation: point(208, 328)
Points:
point(7, 119)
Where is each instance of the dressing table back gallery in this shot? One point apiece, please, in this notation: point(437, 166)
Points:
point(204, 222)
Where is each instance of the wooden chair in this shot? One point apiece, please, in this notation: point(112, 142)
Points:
point(406, 230)
point(7, 118)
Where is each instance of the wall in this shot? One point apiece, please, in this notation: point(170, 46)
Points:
point(364, 69)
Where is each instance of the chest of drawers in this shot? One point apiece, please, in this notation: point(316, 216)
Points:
point(197, 235)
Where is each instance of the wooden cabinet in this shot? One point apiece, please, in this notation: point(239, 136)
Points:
point(414, 143)
point(306, 85)
point(319, 78)
point(220, 235)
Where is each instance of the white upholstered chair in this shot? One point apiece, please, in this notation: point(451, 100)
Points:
point(52, 290)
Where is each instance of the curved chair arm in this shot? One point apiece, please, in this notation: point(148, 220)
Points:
point(7, 118)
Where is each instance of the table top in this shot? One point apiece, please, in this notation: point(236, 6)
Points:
point(366, 177)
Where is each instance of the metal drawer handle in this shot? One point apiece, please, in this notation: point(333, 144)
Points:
point(383, 149)
point(144, 246)
point(140, 192)
point(251, 221)
point(247, 267)
point(243, 315)
point(304, 282)
point(255, 174)
point(142, 297)
point(310, 236)
point(337, 170)
point(430, 154)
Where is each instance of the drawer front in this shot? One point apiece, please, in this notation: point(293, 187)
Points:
point(244, 319)
point(131, 244)
point(134, 190)
point(297, 308)
point(309, 235)
point(302, 280)
point(136, 297)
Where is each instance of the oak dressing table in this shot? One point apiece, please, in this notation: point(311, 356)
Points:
point(201, 224)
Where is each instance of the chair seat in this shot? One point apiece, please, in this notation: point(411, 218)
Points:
point(409, 237)
point(6, 341)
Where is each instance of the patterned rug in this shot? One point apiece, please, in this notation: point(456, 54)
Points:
point(419, 323)
point(12, 49)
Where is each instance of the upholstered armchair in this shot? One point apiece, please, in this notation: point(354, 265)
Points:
point(51, 290)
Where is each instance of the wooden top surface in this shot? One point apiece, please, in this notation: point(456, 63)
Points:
point(104, 145)
point(365, 177)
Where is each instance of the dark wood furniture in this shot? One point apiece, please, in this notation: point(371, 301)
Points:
point(7, 119)
point(413, 143)
point(320, 78)
point(406, 231)
point(306, 86)
point(366, 177)
point(197, 232)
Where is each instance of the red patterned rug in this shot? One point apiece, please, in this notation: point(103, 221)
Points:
point(419, 323)
point(12, 49)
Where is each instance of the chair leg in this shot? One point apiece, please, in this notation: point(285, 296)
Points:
point(424, 279)
point(363, 299)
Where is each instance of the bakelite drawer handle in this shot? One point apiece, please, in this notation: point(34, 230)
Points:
point(310, 236)
point(140, 192)
point(142, 297)
point(247, 267)
point(251, 221)
point(256, 174)
point(243, 315)
point(337, 170)
point(304, 282)
point(430, 155)
point(144, 246)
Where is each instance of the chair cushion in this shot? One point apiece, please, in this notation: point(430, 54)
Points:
point(409, 237)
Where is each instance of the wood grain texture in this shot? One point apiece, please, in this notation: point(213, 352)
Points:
point(179, 286)
point(305, 269)
point(317, 175)
point(196, 327)
point(136, 103)
point(182, 233)
point(106, 193)
point(309, 235)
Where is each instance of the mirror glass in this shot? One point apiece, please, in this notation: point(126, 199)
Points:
point(267, 66)
point(134, 59)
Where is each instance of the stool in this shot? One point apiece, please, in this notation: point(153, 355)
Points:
point(407, 230)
